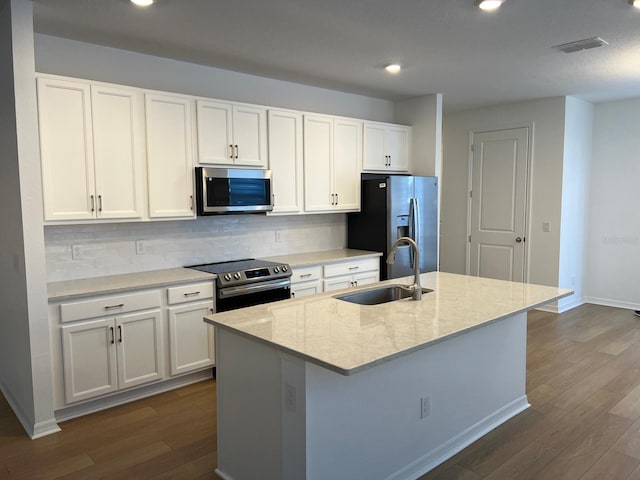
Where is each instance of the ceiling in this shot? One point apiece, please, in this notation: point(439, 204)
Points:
point(474, 58)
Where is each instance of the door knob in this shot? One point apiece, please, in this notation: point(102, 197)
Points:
point(518, 239)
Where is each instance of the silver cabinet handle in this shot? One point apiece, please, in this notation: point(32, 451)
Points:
point(337, 199)
point(120, 333)
point(99, 203)
point(93, 204)
point(305, 275)
point(191, 201)
point(113, 339)
point(231, 148)
point(110, 307)
point(191, 294)
point(354, 268)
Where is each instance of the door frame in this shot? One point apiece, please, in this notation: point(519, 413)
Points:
point(530, 126)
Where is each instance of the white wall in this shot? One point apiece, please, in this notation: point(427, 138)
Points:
point(546, 116)
point(94, 62)
point(110, 248)
point(613, 252)
point(575, 198)
point(25, 372)
point(425, 114)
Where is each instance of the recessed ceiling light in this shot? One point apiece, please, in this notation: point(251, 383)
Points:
point(635, 3)
point(142, 3)
point(393, 68)
point(490, 4)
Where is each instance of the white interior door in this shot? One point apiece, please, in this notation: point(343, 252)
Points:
point(498, 204)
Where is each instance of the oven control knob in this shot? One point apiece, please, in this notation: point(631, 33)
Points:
point(227, 277)
point(236, 275)
point(276, 269)
point(284, 268)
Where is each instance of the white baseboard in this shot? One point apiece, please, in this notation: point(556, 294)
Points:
point(612, 303)
point(93, 406)
point(223, 475)
point(458, 443)
point(42, 429)
point(33, 429)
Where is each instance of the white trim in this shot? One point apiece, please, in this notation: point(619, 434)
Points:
point(458, 443)
point(34, 430)
point(568, 303)
point(42, 429)
point(132, 395)
point(612, 303)
point(223, 475)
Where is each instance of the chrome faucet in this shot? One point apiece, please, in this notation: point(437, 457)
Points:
point(416, 288)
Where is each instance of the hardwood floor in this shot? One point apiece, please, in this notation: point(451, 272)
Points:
point(583, 381)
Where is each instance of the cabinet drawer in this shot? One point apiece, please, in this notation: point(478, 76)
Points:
point(305, 274)
point(189, 293)
point(351, 267)
point(113, 304)
point(305, 289)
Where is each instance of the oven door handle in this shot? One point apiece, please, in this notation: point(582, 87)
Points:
point(246, 289)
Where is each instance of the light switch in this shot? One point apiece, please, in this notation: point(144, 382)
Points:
point(546, 227)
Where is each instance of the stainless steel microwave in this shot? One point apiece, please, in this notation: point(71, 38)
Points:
point(233, 190)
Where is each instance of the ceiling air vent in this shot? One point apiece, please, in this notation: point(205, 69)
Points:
point(585, 44)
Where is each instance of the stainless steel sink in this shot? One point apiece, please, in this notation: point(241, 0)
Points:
point(376, 296)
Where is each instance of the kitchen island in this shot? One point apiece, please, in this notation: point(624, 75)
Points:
point(321, 388)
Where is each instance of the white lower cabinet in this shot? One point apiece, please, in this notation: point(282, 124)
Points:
point(310, 280)
point(108, 354)
point(191, 341)
point(306, 281)
point(354, 273)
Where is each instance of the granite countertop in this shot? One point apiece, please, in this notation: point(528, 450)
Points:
point(68, 289)
point(348, 338)
point(325, 256)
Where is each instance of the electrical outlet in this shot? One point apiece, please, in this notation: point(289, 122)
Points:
point(425, 406)
point(77, 252)
point(290, 398)
point(546, 227)
point(278, 236)
point(141, 247)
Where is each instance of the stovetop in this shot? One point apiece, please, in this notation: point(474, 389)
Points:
point(245, 271)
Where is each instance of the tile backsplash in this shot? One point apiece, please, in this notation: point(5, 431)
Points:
point(82, 251)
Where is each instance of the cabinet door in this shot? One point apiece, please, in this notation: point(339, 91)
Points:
point(305, 289)
point(191, 341)
point(89, 359)
point(139, 345)
point(338, 283)
point(169, 156)
point(66, 149)
point(118, 151)
point(285, 160)
point(366, 278)
point(215, 140)
point(374, 153)
point(347, 161)
point(250, 135)
point(318, 154)
point(397, 147)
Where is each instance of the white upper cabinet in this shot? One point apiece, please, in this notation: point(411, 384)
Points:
point(386, 147)
point(66, 149)
point(332, 159)
point(169, 156)
point(118, 151)
point(231, 134)
point(92, 150)
point(286, 160)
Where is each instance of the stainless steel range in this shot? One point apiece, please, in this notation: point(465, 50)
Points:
point(243, 283)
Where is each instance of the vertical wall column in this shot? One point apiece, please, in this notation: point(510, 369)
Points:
point(25, 358)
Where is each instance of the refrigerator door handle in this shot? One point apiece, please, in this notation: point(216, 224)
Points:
point(412, 227)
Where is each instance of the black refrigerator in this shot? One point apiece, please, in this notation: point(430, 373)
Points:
point(394, 206)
